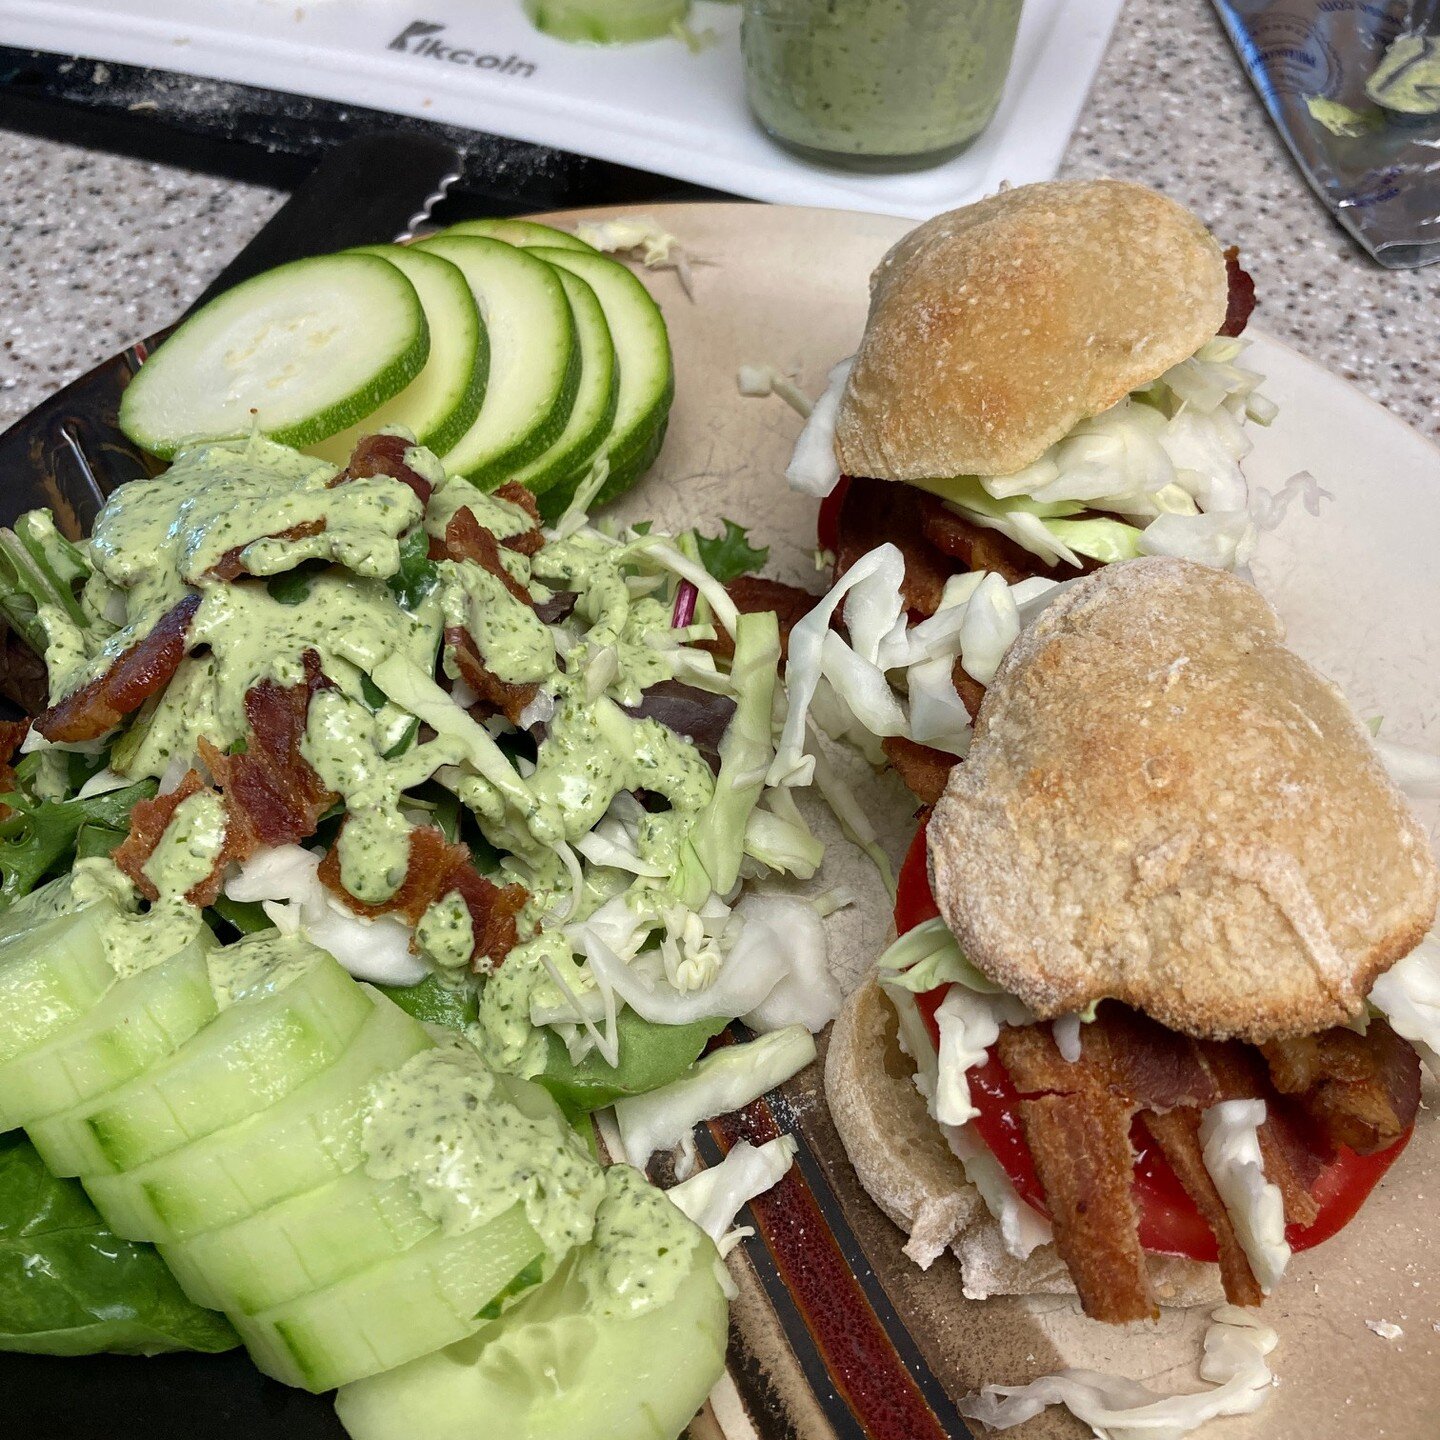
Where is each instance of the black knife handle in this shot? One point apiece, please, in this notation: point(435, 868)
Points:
point(368, 190)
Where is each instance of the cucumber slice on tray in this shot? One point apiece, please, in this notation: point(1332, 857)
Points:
point(253, 1055)
point(139, 1021)
point(306, 1140)
point(568, 460)
point(440, 404)
point(534, 357)
point(298, 353)
point(647, 373)
point(607, 22)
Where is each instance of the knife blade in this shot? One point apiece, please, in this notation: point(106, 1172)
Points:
point(69, 453)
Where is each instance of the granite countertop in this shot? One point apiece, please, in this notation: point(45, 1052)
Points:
point(101, 249)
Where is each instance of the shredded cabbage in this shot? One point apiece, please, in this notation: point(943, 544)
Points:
point(1230, 1135)
point(714, 1197)
point(1224, 539)
point(1116, 1408)
point(814, 468)
point(284, 879)
point(1408, 996)
point(727, 1079)
point(757, 381)
point(807, 993)
point(884, 565)
point(929, 955)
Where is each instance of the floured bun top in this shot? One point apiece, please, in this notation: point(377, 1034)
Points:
point(1165, 806)
point(996, 328)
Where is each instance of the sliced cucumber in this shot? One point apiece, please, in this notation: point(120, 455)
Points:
point(251, 1056)
point(523, 233)
point(607, 22)
point(440, 404)
point(534, 357)
point(647, 372)
point(303, 1244)
point(593, 415)
point(51, 977)
point(307, 1140)
point(422, 1300)
point(560, 1364)
point(135, 1025)
point(297, 353)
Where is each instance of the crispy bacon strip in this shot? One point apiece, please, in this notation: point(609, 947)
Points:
point(495, 696)
point(753, 595)
point(1240, 300)
point(467, 539)
point(143, 670)
point(435, 868)
point(231, 565)
point(12, 734)
point(273, 794)
point(1078, 1131)
point(147, 826)
point(874, 511)
point(1177, 1133)
point(527, 542)
point(384, 455)
point(1360, 1090)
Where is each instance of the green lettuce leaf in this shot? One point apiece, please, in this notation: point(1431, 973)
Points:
point(730, 555)
point(38, 835)
point(434, 1003)
point(70, 1287)
point(650, 1056)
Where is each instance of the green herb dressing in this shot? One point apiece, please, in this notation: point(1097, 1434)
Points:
point(472, 1143)
point(446, 933)
point(347, 745)
point(258, 965)
point(513, 641)
point(644, 1247)
point(190, 845)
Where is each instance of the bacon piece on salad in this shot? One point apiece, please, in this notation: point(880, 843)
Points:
point(467, 539)
point(139, 672)
point(494, 696)
point(272, 792)
point(1240, 300)
point(435, 868)
point(231, 565)
point(384, 455)
point(148, 821)
point(528, 541)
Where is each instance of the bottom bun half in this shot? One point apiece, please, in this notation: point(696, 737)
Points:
point(902, 1160)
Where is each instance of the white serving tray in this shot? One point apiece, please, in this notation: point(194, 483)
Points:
point(656, 106)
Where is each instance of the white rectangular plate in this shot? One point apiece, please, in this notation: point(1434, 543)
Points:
point(656, 106)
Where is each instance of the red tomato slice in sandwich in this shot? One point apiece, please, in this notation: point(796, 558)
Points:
point(1169, 1222)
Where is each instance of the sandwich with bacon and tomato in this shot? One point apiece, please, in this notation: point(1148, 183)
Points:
point(1157, 974)
point(1146, 1026)
point(1053, 378)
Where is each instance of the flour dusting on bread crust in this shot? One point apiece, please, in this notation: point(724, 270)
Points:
point(1165, 806)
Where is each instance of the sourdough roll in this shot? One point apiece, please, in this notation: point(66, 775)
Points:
point(995, 328)
point(1165, 806)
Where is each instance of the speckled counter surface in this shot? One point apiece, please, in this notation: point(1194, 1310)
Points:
point(98, 250)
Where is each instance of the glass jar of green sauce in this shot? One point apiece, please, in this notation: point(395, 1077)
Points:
point(877, 84)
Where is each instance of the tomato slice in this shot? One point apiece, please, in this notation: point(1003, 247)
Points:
point(1169, 1222)
point(827, 523)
